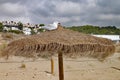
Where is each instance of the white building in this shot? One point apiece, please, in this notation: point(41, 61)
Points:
point(26, 31)
point(9, 23)
point(6, 28)
point(114, 38)
point(14, 28)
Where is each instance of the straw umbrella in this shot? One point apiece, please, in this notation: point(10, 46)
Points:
point(61, 41)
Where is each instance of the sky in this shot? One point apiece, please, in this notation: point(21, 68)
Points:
point(67, 12)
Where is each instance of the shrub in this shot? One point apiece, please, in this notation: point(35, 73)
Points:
point(41, 30)
point(1, 27)
point(16, 31)
point(7, 36)
point(23, 66)
point(32, 32)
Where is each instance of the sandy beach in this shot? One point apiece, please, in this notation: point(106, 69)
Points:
point(74, 69)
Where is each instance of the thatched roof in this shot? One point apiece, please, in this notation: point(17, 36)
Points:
point(71, 43)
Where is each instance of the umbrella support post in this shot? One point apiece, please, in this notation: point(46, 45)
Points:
point(60, 61)
point(52, 66)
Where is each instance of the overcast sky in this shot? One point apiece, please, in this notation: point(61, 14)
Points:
point(68, 12)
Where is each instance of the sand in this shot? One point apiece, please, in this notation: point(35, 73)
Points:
point(74, 69)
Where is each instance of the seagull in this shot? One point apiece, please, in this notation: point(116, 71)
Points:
point(51, 26)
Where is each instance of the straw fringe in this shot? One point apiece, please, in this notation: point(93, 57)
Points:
point(90, 49)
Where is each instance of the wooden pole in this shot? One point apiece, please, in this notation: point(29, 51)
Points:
point(52, 66)
point(60, 61)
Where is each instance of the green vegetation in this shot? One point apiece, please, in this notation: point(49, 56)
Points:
point(32, 31)
point(89, 29)
point(20, 25)
point(16, 31)
point(42, 25)
point(1, 27)
point(41, 30)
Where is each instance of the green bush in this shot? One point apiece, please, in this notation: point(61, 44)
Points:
point(41, 30)
point(42, 25)
point(32, 32)
point(90, 29)
point(1, 27)
point(16, 31)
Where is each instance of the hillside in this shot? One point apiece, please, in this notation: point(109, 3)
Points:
point(89, 29)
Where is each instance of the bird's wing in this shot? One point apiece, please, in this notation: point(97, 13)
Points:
point(47, 27)
point(51, 26)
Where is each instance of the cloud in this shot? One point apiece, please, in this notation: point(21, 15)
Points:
point(9, 9)
point(12, 1)
point(67, 8)
point(68, 12)
point(13, 11)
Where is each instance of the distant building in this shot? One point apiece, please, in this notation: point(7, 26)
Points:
point(5, 28)
point(27, 31)
point(11, 25)
point(114, 38)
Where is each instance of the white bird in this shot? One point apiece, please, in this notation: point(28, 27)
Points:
point(52, 26)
